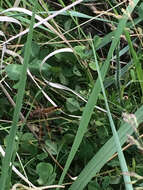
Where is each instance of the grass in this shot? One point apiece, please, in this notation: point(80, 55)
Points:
point(92, 77)
point(10, 152)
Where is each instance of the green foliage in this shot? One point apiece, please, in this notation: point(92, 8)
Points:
point(46, 173)
point(52, 147)
point(13, 71)
point(77, 139)
point(34, 50)
point(26, 144)
point(72, 105)
point(104, 185)
point(10, 152)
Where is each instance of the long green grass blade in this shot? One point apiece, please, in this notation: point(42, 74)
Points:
point(135, 59)
point(96, 90)
point(123, 164)
point(104, 154)
point(11, 139)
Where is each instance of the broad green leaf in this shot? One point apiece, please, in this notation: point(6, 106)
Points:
point(92, 66)
point(63, 79)
point(13, 71)
point(44, 170)
point(97, 41)
point(67, 24)
point(72, 105)
point(80, 50)
point(34, 50)
point(35, 66)
point(68, 138)
point(52, 147)
point(26, 144)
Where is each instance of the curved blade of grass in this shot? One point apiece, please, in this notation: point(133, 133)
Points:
point(137, 63)
point(80, 15)
point(104, 154)
point(73, 13)
point(96, 90)
point(11, 138)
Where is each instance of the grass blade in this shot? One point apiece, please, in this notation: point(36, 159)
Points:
point(104, 154)
point(135, 59)
point(96, 90)
point(20, 95)
point(123, 164)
